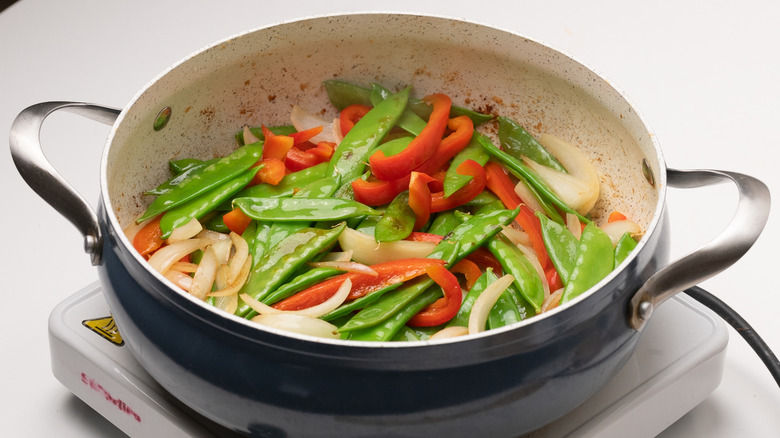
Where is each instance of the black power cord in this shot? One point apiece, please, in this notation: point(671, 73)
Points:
point(741, 326)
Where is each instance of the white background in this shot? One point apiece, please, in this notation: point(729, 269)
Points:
point(704, 74)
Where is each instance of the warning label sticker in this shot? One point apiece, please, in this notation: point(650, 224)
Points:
point(106, 328)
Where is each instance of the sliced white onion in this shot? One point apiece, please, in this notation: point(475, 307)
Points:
point(368, 251)
point(222, 251)
point(303, 120)
point(485, 301)
point(552, 301)
point(133, 229)
point(180, 279)
point(576, 163)
point(212, 236)
point(239, 258)
point(528, 198)
point(337, 134)
point(572, 190)
point(228, 303)
point(204, 277)
point(516, 236)
point(346, 267)
point(186, 231)
point(450, 332)
point(530, 254)
point(299, 324)
point(616, 229)
point(165, 257)
point(186, 267)
point(227, 288)
point(320, 309)
point(249, 138)
point(337, 256)
point(574, 225)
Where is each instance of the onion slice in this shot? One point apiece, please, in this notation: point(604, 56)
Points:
point(574, 225)
point(204, 277)
point(516, 236)
point(485, 301)
point(576, 163)
point(524, 192)
point(368, 251)
point(249, 138)
point(346, 266)
point(186, 231)
point(320, 309)
point(552, 301)
point(616, 229)
point(238, 260)
point(450, 332)
point(165, 257)
point(303, 120)
point(337, 256)
point(179, 278)
point(534, 259)
point(232, 288)
point(299, 324)
point(573, 191)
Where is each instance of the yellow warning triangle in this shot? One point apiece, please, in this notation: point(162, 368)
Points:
point(106, 328)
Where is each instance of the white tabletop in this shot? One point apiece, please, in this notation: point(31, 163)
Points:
point(705, 75)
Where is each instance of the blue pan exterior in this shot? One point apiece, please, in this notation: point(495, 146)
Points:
point(260, 383)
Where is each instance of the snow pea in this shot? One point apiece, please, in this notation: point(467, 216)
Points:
point(301, 209)
point(286, 187)
point(343, 94)
point(216, 223)
point(359, 303)
point(461, 319)
point(595, 260)
point(388, 328)
point(397, 222)
point(202, 204)
point(473, 151)
point(292, 252)
point(350, 157)
point(561, 246)
point(517, 142)
point(514, 262)
point(205, 178)
point(625, 245)
point(464, 239)
point(409, 121)
point(182, 169)
point(519, 169)
point(443, 223)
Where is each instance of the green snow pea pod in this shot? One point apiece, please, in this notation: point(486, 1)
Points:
point(397, 222)
point(301, 209)
point(443, 223)
point(388, 328)
point(453, 181)
point(561, 246)
point(516, 263)
point(368, 225)
point(625, 245)
point(287, 186)
point(504, 312)
point(595, 260)
point(184, 168)
point(407, 334)
point(359, 303)
point(343, 94)
point(409, 121)
point(519, 169)
point(301, 282)
point(257, 131)
point(205, 178)
point(350, 157)
point(548, 208)
point(202, 204)
point(216, 223)
point(319, 189)
point(517, 142)
point(295, 250)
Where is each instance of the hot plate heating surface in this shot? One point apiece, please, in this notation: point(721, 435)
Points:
point(677, 364)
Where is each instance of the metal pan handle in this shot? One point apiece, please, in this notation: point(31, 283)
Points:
point(41, 176)
point(746, 225)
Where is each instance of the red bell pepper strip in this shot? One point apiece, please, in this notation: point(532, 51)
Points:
point(420, 149)
point(389, 273)
point(305, 135)
point(616, 216)
point(485, 259)
point(350, 115)
point(298, 159)
point(236, 220)
point(420, 198)
point(469, 269)
point(375, 192)
point(463, 129)
point(271, 172)
point(553, 279)
point(418, 236)
point(275, 146)
point(499, 183)
point(445, 308)
point(149, 238)
point(465, 193)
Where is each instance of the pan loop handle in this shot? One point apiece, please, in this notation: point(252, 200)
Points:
point(41, 176)
point(749, 220)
